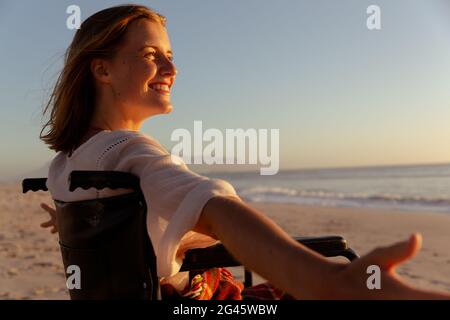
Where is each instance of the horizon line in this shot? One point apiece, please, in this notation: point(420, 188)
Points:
point(338, 167)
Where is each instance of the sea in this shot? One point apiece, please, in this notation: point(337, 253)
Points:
point(405, 187)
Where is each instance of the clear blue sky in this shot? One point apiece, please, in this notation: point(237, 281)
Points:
point(340, 94)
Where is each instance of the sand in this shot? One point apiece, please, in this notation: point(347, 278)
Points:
point(31, 267)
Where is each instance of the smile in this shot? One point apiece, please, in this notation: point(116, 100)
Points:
point(162, 89)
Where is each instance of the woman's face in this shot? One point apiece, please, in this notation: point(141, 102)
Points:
point(142, 71)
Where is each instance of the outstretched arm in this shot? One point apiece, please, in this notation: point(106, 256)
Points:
point(264, 247)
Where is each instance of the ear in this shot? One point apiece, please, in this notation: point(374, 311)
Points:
point(100, 70)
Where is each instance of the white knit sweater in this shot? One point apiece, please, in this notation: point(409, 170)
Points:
point(175, 196)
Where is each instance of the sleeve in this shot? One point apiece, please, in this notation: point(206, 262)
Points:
point(175, 197)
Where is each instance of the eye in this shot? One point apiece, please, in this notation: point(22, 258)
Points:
point(150, 54)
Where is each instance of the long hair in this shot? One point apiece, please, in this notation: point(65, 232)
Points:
point(71, 102)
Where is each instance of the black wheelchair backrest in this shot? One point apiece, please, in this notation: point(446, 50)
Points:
point(105, 239)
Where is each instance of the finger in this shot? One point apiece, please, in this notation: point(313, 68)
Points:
point(47, 208)
point(54, 230)
point(44, 205)
point(47, 224)
point(391, 256)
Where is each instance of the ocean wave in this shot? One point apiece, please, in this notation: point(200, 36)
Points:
point(332, 198)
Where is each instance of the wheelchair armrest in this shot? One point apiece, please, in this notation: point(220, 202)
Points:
point(34, 184)
point(210, 257)
point(218, 256)
point(102, 179)
point(88, 179)
point(328, 246)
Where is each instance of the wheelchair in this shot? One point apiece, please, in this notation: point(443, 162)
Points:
point(107, 240)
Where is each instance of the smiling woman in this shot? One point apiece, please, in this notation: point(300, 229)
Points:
point(118, 72)
point(140, 78)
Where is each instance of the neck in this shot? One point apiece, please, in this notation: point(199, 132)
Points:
point(109, 124)
point(108, 115)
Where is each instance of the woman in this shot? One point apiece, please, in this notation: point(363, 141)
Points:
point(118, 72)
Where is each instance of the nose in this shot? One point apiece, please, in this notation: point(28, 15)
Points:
point(168, 68)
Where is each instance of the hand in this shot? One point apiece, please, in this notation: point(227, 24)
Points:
point(350, 281)
point(52, 221)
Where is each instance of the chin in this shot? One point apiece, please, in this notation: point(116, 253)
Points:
point(159, 109)
point(165, 108)
point(168, 109)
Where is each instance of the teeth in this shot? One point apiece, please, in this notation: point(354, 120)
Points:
point(163, 87)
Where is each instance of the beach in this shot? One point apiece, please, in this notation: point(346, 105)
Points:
point(31, 266)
